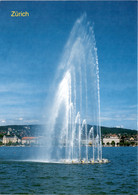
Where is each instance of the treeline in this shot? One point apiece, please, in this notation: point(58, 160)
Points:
point(38, 130)
point(121, 131)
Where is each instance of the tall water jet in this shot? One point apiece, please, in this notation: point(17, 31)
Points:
point(77, 100)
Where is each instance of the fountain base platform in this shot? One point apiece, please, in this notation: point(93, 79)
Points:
point(84, 161)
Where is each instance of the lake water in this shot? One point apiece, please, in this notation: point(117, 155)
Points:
point(19, 176)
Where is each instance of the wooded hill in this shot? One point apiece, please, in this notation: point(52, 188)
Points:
point(38, 130)
point(121, 131)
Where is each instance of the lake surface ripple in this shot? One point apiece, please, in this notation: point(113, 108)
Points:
point(117, 177)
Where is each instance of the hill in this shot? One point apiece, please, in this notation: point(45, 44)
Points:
point(38, 130)
point(121, 131)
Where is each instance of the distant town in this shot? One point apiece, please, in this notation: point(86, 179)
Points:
point(33, 135)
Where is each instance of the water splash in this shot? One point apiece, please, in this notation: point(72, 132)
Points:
point(77, 100)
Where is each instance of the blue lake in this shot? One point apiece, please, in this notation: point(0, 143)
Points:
point(19, 176)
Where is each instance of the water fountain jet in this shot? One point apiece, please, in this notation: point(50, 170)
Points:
point(77, 100)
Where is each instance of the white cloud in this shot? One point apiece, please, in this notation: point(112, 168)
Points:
point(21, 87)
point(20, 119)
point(121, 116)
point(31, 121)
point(3, 121)
point(132, 106)
point(121, 126)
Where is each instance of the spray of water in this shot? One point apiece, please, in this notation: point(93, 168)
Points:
point(77, 100)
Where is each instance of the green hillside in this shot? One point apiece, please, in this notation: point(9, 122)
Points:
point(37, 130)
point(114, 130)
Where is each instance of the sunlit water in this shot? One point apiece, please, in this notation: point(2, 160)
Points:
point(19, 173)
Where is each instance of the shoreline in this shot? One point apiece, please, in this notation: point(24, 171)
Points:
point(22, 146)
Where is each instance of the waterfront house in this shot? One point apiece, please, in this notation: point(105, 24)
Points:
point(10, 139)
point(29, 140)
point(112, 139)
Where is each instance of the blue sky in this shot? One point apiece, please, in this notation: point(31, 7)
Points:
point(31, 48)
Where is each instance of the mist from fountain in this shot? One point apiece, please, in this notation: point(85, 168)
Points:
point(77, 100)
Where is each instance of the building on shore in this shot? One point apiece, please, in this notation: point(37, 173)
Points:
point(110, 140)
point(29, 140)
point(10, 139)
